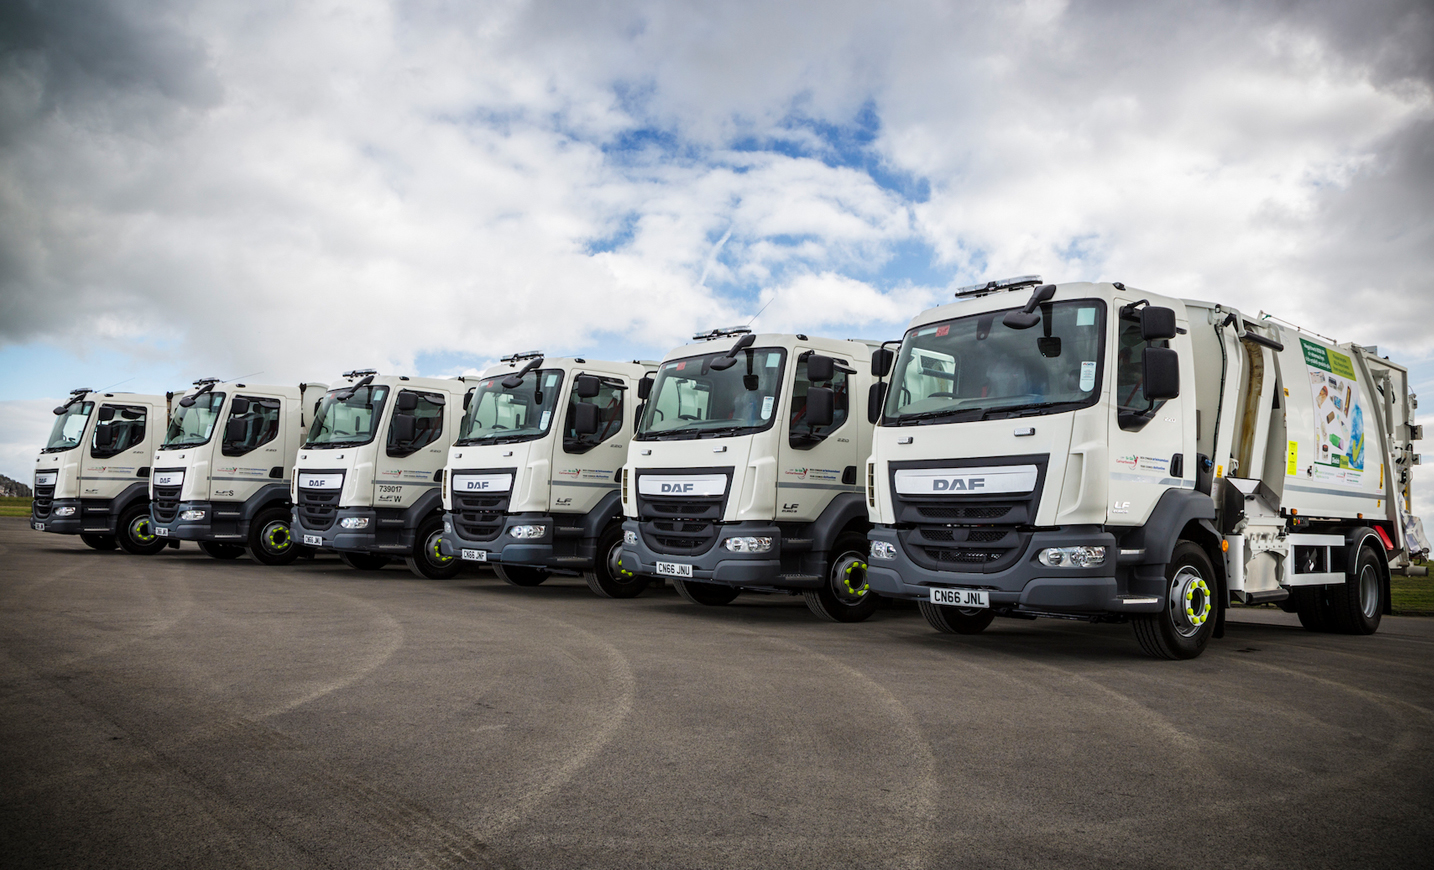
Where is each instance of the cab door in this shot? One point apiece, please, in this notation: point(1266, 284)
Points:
point(586, 466)
point(118, 450)
point(414, 448)
point(250, 448)
point(815, 463)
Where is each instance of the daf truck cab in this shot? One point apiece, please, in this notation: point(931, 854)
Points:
point(532, 482)
point(1097, 452)
point(221, 477)
point(92, 476)
point(367, 481)
point(744, 473)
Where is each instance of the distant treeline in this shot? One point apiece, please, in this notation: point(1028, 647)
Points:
point(14, 488)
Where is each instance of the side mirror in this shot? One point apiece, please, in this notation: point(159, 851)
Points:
point(235, 430)
point(821, 406)
point(588, 386)
point(1161, 367)
point(404, 426)
point(104, 437)
point(820, 369)
point(881, 361)
point(467, 399)
point(585, 418)
point(407, 401)
point(1157, 324)
point(875, 397)
point(644, 388)
point(240, 405)
point(107, 413)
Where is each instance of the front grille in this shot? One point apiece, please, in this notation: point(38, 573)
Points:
point(960, 548)
point(967, 533)
point(166, 499)
point(318, 507)
point(942, 512)
point(679, 526)
point(479, 517)
point(44, 500)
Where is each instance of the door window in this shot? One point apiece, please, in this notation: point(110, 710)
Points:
point(1133, 410)
point(257, 426)
point(609, 403)
point(119, 433)
point(427, 423)
point(802, 436)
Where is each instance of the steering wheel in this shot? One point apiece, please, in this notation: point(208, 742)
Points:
point(941, 395)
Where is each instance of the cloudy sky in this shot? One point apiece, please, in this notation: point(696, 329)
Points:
point(299, 188)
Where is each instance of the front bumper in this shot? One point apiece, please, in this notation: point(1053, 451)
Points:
point(207, 528)
point(1026, 585)
point(335, 537)
point(718, 564)
point(91, 516)
point(510, 550)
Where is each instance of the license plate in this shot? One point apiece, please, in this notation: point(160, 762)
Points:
point(960, 597)
point(39, 527)
point(313, 540)
point(161, 531)
point(674, 569)
point(475, 555)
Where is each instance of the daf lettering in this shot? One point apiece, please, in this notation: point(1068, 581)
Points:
point(958, 483)
point(677, 487)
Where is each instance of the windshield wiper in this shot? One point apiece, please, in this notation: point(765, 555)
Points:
point(324, 445)
point(907, 419)
point(1028, 409)
point(720, 431)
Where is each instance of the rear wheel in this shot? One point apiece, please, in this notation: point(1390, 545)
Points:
point(1184, 626)
point(221, 550)
point(99, 542)
point(710, 594)
point(136, 534)
point(1312, 608)
point(427, 560)
point(521, 575)
point(363, 561)
point(846, 596)
point(1358, 605)
point(271, 540)
point(606, 578)
point(956, 620)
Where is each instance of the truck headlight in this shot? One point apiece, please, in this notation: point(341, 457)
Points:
point(353, 523)
point(1072, 557)
point(883, 550)
point(748, 544)
point(190, 516)
point(447, 526)
point(64, 512)
point(528, 531)
point(629, 537)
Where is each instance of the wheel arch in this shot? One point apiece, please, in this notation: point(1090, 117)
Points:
point(1354, 541)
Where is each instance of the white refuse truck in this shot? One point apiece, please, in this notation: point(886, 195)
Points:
point(1098, 452)
point(221, 477)
point(92, 476)
point(367, 481)
point(745, 471)
point(532, 481)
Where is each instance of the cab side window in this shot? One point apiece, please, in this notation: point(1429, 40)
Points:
point(253, 422)
point(1132, 409)
point(609, 404)
point(120, 428)
point(802, 436)
point(427, 423)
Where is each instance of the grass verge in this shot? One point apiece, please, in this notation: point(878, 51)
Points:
point(14, 507)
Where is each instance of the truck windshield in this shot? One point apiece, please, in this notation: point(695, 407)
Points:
point(977, 368)
point(192, 426)
point(347, 422)
point(69, 427)
point(497, 415)
point(690, 399)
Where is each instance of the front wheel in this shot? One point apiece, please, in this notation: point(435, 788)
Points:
point(99, 542)
point(271, 540)
point(136, 534)
point(521, 575)
point(956, 620)
point(1184, 626)
point(845, 596)
point(363, 561)
point(607, 578)
point(710, 594)
point(427, 560)
point(220, 550)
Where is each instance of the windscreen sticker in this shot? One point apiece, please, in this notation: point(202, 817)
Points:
point(1338, 418)
point(552, 381)
point(1085, 317)
point(1087, 375)
point(943, 330)
point(767, 402)
point(543, 423)
point(679, 366)
point(774, 359)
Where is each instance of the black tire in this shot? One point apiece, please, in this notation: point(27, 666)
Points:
point(846, 596)
point(956, 620)
point(271, 537)
point(709, 594)
point(427, 561)
point(606, 578)
point(1183, 627)
point(1358, 605)
point(136, 535)
point(1312, 608)
point(521, 575)
point(99, 542)
point(221, 550)
point(363, 561)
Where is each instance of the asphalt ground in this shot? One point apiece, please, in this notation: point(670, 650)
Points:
point(176, 711)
